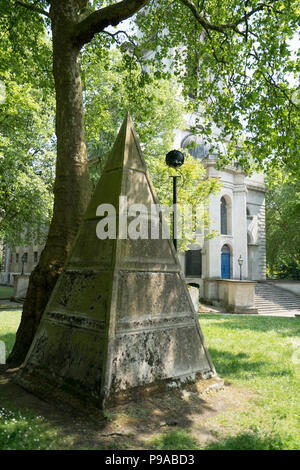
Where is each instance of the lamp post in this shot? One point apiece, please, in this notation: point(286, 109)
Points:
point(174, 159)
point(23, 262)
point(240, 261)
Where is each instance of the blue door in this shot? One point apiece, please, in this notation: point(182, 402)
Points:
point(225, 265)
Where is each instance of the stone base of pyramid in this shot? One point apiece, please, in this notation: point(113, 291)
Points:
point(81, 364)
point(64, 394)
point(120, 320)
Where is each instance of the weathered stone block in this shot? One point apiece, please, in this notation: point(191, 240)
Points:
point(20, 286)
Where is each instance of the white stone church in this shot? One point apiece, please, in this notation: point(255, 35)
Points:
point(237, 214)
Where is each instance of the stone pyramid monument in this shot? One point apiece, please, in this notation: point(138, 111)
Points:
point(120, 319)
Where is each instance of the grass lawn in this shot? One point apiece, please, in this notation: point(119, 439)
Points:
point(9, 322)
point(262, 354)
point(6, 292)
point(257, 357)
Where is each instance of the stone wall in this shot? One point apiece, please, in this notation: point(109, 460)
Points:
point(235, 296)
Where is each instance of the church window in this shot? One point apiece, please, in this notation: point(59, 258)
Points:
point(224, 228)
point(193, 263)
point(195, 146)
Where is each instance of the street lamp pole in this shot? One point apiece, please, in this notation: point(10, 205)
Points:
point(23, 262)
point(174, 159)
point(175, 211)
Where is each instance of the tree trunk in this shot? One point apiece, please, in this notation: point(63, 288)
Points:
point(72, 189)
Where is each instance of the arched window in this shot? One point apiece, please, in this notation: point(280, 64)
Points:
point(195, 146)
point(198, 148)
point(224, 227)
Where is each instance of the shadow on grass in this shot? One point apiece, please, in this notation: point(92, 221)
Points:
point(174, 440)
point(31, 422)
point(255, 440)
point(228, 364)
point(242, 366)
point(285, 326)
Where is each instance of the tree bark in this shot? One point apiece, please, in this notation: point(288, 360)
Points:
point(72, 188)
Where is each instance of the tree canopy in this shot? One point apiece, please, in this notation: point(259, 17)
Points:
point(111, 89)
point(27, 150)
point(283, 227)
point(235, 55)
point(236, 58)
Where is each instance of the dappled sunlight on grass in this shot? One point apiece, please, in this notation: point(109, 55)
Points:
point(24, 430)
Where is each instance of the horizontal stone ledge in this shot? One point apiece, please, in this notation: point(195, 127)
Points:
point(137, 331)
point(126, 266)
point(75, 321)
point(231, 281)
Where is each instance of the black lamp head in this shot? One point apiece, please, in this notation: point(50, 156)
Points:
point(174, 158)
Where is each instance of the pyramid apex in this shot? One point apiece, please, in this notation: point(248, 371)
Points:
point(128, 121)
point(126, 151)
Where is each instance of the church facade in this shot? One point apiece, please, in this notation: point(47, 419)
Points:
point(237, 215)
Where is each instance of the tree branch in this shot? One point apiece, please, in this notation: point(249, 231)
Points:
point(32, 7)
point(113, 35)
point(221, 28)
point(111, 15)
point(269, 79)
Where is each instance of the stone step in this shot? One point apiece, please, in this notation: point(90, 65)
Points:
point(270, 299)
point(277, 299)
point(276, 305)
point(293, 307)
point(265, 309)
point(274, 299)
point(297, 307)
point(288, 302)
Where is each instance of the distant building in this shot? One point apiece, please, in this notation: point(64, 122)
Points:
point(18, 260)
